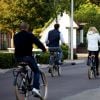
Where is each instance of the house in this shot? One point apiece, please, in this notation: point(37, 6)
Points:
point(64, 22)
point(5, 40)
point(65, 27)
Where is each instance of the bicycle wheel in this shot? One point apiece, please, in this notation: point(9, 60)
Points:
point(20, 90)
point(53, 71)
point(43, 86)
point(59, 70)
point(90, 74)
point(94, 71)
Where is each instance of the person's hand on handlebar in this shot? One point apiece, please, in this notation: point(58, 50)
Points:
point(45, 50)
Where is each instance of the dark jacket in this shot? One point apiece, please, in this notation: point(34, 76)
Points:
point(23, 42)
point(53, 38)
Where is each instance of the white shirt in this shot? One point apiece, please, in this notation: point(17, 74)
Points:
point(92, 41)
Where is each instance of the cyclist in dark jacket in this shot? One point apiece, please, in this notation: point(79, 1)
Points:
point(53, 39)
point(23, 43)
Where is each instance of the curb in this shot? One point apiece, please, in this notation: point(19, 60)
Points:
point(2, 71)
point(74, 62)
point(66, 62)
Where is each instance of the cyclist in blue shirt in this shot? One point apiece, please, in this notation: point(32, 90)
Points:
point(23, 43)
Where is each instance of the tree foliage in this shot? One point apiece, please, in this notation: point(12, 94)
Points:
point(12, 12)
point(90, 14)
point(36, 12)
point(97, 2)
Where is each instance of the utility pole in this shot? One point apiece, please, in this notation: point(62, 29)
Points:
point(55, 3)
point(71, 24)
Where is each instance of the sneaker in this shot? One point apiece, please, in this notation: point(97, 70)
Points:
point(36, 92)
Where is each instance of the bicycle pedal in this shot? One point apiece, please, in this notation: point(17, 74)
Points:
point(29, 88)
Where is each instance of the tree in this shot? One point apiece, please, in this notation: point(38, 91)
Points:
point(90, 14)
point(97, 2)
point(35, 12)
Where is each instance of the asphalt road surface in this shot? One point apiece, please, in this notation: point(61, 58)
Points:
point(73, 81)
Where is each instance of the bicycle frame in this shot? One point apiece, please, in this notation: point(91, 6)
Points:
point(54, 58)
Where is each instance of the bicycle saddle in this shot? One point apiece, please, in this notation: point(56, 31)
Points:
point(23, 63)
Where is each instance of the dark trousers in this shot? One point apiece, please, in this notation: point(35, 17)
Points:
point(33, 65)
point(96, 53)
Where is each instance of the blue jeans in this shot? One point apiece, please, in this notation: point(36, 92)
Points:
point(59, 56)
point(33, 65)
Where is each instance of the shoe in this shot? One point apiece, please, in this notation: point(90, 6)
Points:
point(36, 92)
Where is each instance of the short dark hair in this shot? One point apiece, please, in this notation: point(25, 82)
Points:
point(24, 26)
point(56, 26)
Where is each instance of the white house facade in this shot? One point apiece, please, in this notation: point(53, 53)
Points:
point(64, 22)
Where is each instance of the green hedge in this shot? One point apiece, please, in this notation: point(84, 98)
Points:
point(7, 59)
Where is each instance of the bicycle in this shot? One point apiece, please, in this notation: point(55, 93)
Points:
point(92, 67)
point(54, 65)
point(23, 80)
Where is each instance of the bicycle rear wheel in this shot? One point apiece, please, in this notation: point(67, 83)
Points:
point(43, 86)
point(90, 73)
point(18, 87)
point(94, 71)
point(59, 70)
point(21, 92)
point(55, 70)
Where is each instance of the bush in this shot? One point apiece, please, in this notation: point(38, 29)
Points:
point(43, 58)
point(65, 51)
point(6, 60)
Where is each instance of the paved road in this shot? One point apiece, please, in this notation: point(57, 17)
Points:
point(72, 85)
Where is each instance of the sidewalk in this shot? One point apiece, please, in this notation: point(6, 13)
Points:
point(81, 59)
point(73, 62)
point(2, 71)
point(92, 94)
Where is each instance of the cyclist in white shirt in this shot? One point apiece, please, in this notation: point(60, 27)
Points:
point(93, 38)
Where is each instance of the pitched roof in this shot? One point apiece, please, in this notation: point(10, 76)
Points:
point(64, 22)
